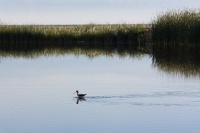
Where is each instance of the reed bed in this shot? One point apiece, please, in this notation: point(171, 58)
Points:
point(176, 37)
point(177, 27)
point(34, 36)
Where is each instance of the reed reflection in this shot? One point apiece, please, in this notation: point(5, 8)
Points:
point(176, 60)
point(90, 52)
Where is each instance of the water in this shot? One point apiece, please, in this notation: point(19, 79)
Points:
point(126, 94)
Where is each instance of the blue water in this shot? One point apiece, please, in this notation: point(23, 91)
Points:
point(123, 95)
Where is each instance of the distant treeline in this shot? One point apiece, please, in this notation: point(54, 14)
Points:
point(37, 37)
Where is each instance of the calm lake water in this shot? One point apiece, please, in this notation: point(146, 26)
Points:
point(124, 95)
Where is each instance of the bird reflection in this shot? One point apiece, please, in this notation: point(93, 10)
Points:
point(80, 99)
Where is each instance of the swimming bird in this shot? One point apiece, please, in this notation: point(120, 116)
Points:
point(80, 95)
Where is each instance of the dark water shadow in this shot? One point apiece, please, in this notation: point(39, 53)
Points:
point(90, 52)
point(177, 59)
point(80, 99)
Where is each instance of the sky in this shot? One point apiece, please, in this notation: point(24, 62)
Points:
point(87, 11)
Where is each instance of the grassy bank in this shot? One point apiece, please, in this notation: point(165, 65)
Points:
point(33, 36)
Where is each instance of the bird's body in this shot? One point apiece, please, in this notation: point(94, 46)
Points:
point(80, 95)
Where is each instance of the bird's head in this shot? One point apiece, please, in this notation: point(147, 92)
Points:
point(76, 91)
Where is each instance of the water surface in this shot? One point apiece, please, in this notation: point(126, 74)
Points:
point(124, 94)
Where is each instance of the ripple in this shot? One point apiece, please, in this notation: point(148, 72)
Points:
point(175, 98)
point(156, 95)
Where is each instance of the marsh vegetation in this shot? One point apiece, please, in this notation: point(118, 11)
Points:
point(176, 41)
point(33, 36)
point(177, 34)
point(177, 27)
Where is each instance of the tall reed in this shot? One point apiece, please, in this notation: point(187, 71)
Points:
point(177, 26)
point(176, 36)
